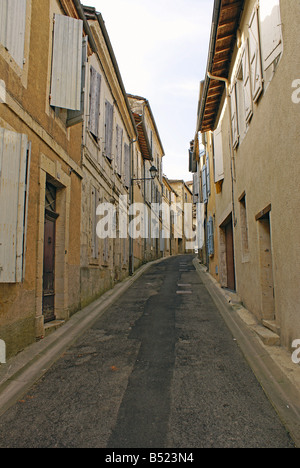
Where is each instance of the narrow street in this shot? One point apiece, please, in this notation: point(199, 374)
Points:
point(159, 369)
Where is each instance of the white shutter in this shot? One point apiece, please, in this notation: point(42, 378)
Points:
point(75, 117)
point(95, 88)
point(255, 57)
point(12, 28)
point(14, 177)
point(247, 83)
point(218, 155)
point(234, 117)
point(66, 63)
point(271, 32)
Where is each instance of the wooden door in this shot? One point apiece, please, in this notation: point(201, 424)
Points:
point(230, 256)
point(49, 270)
point(49, 254)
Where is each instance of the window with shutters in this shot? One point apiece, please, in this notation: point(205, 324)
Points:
point(127, 171)
point(94, 108)
point(210, 237)
point(66, 82)
point(109, 115)
point(208, 175)
point(218, 154)
point(119, 147)
point(204, 185)
point(246, 83)
point(76, 116)
point(12, 28)
point(234, 116)
point(14, 187)
point(255, 57)
point(271, 31)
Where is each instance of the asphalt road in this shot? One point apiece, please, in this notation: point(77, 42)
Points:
point(159, 369)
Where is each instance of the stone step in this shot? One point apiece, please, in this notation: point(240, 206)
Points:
point(268, 337)
point(53, 326)
point(272, 325)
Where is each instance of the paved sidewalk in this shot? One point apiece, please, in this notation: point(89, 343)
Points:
point(272, 365)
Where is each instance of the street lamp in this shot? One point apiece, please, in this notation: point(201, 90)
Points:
point(153, 172)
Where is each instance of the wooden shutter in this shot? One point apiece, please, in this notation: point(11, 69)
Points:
point(247, 83)
point(95, 89)
point(218, 155)
point(255, 57)
point(14, 183)
point(109, 112)
point(204, 185)
point(119, 146)
point(271, 32)
point(210, 236)
point(196, 188)
point(234, 117)
point(208, 175)
point(12, 28)
point(75, 117)
point(66, 63)
point(127, 170)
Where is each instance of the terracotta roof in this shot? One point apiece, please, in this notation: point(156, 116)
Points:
point(143, 137)
point(227, 15)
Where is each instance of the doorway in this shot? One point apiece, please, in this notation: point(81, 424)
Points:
point(49, 254)
point(231, 284)
point(227, 260)
point(266, 266)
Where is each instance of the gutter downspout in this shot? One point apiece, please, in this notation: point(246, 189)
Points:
point(232, 162)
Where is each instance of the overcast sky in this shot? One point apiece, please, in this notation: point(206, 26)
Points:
point(161, 47)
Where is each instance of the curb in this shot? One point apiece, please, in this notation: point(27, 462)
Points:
point(281, 390)
point(22, 371)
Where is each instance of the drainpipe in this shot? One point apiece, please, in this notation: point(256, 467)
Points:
point(232, 162)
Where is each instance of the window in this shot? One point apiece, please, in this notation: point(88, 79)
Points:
point(210, 237)
point(271, 32)
point(14, 186)
point(95, 87)
point(109, 114)
point(127, 170)
point(204, 185)
point(255, 57)
point(119, 147)
point(12, 28)
point(66, 63)
point(234, 116)
point(218, 154)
